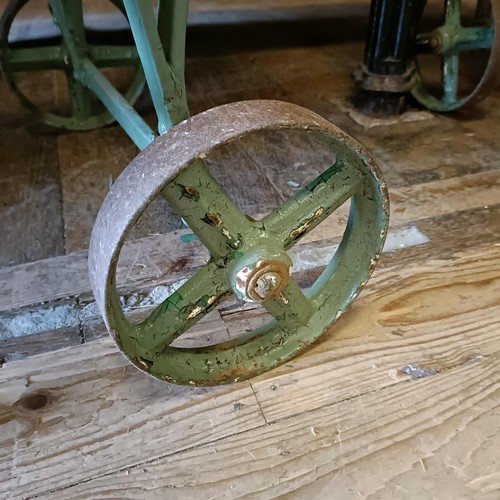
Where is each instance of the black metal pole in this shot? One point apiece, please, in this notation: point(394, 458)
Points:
point(388, 71)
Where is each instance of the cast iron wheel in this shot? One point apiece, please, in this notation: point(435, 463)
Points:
point(248, 258)
point(86, 112)
point(451, 40)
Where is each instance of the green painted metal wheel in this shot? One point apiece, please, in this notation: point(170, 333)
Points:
point(86, 111)
point(449, 42)
point(248, 257)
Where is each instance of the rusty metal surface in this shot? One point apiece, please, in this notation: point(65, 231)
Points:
point(301, 319)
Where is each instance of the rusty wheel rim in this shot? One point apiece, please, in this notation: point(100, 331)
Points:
point(241, 250)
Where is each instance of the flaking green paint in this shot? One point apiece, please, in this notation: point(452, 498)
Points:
point(229, 235)
point(69, 55)
point(299, 318)
point(448, 42)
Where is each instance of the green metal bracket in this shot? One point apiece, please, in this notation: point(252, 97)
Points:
point(165, 85)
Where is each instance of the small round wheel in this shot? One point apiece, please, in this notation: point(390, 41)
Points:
point(248, 258)
point(449, 42)
point(86, 111)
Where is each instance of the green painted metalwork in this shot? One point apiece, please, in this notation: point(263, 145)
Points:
point(248, 257)
point(133, 124)
point(172, 23)
point(67, 56)
point(166, 88)
point(81, 62)
point(448, 42)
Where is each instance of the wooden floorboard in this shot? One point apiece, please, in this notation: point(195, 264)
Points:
point(400, 398)
point(140, 412)
point(30, 196)
point(151, 260)
point(369, 358)
point(410, 440)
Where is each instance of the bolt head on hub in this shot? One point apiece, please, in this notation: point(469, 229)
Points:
point(267, 285)
point(255, 278)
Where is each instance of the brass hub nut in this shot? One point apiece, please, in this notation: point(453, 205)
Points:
point(262, 280)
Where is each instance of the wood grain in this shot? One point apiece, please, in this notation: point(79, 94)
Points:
point(30, 199)
point(347, 419)
point(410, 440)
point(327, 414)
point(154, 258)
point(408, 319)
point(124, 411)
point(12, 348)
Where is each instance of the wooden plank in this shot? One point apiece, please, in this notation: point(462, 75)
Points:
point(29, 193)
point(432, 315)
point(432, 438)
point(450, 309)
point(210, 330)
point(89, 164)
point(441, 147)
point(86, 410)
point(165, 258)
point(350, 404)
point(13, 348)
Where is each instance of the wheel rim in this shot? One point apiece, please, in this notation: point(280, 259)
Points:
point(452, 39)
point(172, 163)
point(56, 57)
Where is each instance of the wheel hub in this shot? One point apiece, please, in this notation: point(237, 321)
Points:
point(257, 279)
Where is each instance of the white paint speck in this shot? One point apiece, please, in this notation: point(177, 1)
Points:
point(197, 310)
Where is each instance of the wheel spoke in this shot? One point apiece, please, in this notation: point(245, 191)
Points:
point(453, 13)
point(475, 38)
point(199, 199)
point(450, 78)
point(112, 56)
point(310, 206)
point(292, 309)
point(185, 307)
point(80, 98)
point(36, 59)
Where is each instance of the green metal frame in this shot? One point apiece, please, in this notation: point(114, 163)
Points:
point(162, 60)
point(164, 69)
point(162, 57)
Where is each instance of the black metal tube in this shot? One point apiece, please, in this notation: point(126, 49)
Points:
point(388, 66)
point(390, 44)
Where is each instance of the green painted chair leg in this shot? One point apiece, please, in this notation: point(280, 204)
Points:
point(449, 42)
point(86, 112)
point(248, 258)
